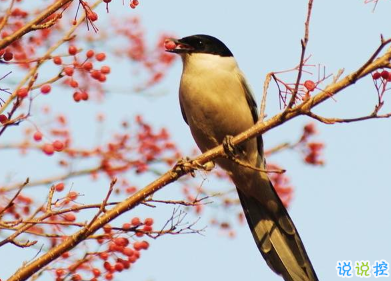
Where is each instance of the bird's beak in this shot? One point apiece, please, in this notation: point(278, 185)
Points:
point(176, 46)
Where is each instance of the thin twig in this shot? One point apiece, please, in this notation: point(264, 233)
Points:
point(264, 96)
point(11, 202)
point(102, 208)
point(269, 171)
point(7, 15)
point(304, 43)
point(330, 121)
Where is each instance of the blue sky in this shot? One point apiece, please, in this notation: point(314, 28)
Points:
point(341, 210)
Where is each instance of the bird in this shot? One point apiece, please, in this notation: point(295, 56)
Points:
point(217, 103)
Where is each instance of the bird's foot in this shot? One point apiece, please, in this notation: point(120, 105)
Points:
point(188, 166)
point(229, 148)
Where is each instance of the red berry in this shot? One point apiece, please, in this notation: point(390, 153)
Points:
point(121, 241)
point(59, 187)
point(92, 16)
point(309, 85)
point(126, 226)
point(147, 228)
point(22, 92)
point(48, 149)
point(90, 54)
point(72, 50)
point(84, 96)
point(73, 195)
point(69, 217)
point(68, 71)
point(60, 272)
point(139, 234)
point(57, 60)
point(128, 252)
point(107, 1)
point(58, 145)
point(144, 245)
point(77, 96)
point(385, 74)
point(95, 74)
point(3, 118)
point(376, 75)
point(109, 276)
point(119, 267)
point(148, 221)
point(107, 265)
point(76, 277)
point(96, 272)
point(135, 221)
point(107, 229)
point(105, 69)
point(45, 89)
point(133, 4)
point(37, 136)
point(104, 255)
point(88, 66)
point(102, 78)
point(74, 84)
point(8, 56)
point(114, 248)
point(100, 56)
point(137, 246)
point(65, 255)
point(169, 44)
point(125, 263)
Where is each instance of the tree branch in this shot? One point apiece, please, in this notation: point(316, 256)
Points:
point(34, 23)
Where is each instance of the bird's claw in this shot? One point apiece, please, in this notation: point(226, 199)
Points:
point(187, 166)
point(229, 148)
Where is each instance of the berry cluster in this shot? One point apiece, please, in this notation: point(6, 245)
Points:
point(154, 61)
point(119, 255)
point(383, 75)
point(133, 4)
point(381, 80)
point(83, 69)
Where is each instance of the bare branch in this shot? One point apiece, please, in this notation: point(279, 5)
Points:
point(11, 202)
point(7, 15)
point(304, 43)
point(338, 120)
point(244, 164)
point(264, 96)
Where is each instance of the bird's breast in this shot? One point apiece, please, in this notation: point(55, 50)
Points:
point(215, 105)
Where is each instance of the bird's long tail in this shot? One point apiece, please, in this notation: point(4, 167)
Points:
point(276, 235)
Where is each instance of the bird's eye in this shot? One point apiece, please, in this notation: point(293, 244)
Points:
point(200, 43)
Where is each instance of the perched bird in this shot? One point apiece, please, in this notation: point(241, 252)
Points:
point(217, 102)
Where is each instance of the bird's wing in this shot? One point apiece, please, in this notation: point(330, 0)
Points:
point(183, 113)
point(253, 107)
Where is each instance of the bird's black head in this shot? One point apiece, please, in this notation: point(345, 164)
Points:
point(200, 43)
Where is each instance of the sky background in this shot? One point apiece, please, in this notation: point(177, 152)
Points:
point(342, 210)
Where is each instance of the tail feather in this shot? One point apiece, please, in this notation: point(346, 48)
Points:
point(277, 237)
